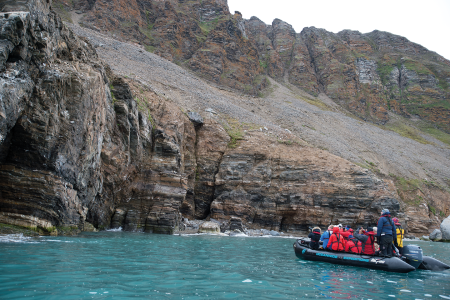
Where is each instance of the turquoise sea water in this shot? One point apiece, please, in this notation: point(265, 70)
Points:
point(124, 265)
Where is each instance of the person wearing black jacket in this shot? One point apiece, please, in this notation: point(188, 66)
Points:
point(315, 237)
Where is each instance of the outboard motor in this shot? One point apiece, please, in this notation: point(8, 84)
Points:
point(413, 255)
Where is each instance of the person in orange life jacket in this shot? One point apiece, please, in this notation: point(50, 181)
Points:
point(326, 236)
point(398, 242)
point(353, 245)
point(337, 241)
point(315, 237)
point(367, 239)
point(386, 233)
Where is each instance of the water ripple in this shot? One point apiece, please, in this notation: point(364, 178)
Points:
point(124, 265)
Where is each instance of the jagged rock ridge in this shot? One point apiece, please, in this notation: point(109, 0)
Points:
point(369, 74)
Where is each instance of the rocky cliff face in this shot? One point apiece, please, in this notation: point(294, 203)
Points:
point(288, 187)
point(202, 35)
point(80, 145)
point(369, 74)
point(50, 154)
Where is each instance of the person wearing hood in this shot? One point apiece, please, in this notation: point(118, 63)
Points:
point(367, 239)
point(353, 245)
point(345, 231)
point(315, 237)
point(336, 241)
point(386, 233)
point(326, 236)
point(400, 234)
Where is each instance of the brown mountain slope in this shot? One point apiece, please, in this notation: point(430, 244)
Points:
point(368, 74)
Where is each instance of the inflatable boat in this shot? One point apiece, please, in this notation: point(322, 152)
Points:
point(411, 260)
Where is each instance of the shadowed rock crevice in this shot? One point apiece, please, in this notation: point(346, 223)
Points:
point(212, 141)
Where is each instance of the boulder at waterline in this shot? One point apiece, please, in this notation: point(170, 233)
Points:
point(209, 227)
point(436, 235)
point(445, 228)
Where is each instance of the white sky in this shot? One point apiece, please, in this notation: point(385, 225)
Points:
point(423, 22)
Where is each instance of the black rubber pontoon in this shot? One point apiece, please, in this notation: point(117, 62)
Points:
point(413, 255)
point(392, 264)
point(433, 264)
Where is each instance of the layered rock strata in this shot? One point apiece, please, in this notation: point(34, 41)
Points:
point(54, 110)
point(289, 188)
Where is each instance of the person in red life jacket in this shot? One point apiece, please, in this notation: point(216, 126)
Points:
point(350, 231)
point(345, 232)
point(376, 244)
point(336, 240)
point(353, 245)
point(386, 233)
point(367, 239)
point(315, 238)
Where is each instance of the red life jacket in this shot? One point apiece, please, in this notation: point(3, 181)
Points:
point(350, 246)
point(369, 247)
point(337, 241)
point(345, 234)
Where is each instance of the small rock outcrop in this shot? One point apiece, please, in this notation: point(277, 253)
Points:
point(436, 235)
point(195, 118)
point(209, 227)
point(236, 223)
